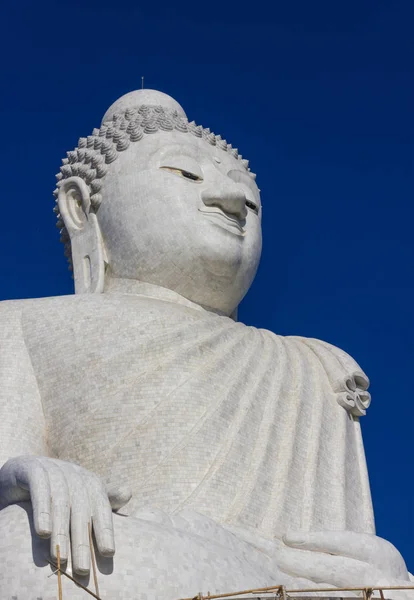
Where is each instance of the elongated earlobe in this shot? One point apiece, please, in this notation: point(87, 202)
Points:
point(85, 236)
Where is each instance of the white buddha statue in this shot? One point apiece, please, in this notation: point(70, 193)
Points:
point(207, 455)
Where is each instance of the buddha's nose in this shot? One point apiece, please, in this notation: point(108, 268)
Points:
point(231, 200)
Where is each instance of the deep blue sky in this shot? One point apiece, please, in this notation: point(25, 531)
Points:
point(319, 96)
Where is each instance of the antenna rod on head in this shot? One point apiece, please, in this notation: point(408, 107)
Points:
point(142, 82)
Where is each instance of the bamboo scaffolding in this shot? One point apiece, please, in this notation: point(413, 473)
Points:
point(74, 580)
point(59, 576)
point(280, 591)
point(277, 589)
point(93, 561)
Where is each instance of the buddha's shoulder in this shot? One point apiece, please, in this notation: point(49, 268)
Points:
point(13, 312)
point(99, 307)
point(324, 352)
point(10, 308)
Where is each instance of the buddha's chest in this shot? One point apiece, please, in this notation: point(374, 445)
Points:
point(106, 377)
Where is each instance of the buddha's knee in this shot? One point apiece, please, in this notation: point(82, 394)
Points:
point(22, 552)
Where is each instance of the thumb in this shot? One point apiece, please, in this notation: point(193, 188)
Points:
point(365, 547)
point(118, 496)
point(343, 543)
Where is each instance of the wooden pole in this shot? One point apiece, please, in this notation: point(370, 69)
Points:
point(93, 561)
point(74, 581)
point(59, 575)
point(277, 588)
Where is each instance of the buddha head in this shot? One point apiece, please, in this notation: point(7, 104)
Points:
point(151, 197)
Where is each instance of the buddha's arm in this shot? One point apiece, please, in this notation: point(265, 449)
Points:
point(22, 423)
point(64, 496)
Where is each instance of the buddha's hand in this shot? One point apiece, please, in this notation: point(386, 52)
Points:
point(342, 559)
point(65, 498)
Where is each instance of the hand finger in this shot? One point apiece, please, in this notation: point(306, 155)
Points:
point(119, 496)
point(361, 546)
point(35, 477)
point(10, 490)
point(101, 518)
point(338, 571)
point(344, 543)
point(80, 516)
point(60, 511)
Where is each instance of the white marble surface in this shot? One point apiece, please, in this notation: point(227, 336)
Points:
point(234, 456)
point(171, 556)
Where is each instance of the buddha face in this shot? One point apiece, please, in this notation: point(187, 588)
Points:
point(185, 215)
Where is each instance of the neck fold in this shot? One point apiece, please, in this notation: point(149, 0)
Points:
point(140, 288)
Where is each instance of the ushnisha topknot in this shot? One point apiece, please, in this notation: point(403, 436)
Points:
point(93, 153)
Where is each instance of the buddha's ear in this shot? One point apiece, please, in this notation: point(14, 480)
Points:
point(85, 236)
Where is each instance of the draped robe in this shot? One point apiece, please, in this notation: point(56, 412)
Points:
point(193, 410)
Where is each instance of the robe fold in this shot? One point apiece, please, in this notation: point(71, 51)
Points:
point(193, 410)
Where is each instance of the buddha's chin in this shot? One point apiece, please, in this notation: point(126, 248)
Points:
point(224, 276)
point(226, 272)
point(221, 288)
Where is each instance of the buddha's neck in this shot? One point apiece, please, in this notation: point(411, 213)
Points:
point(133, 287)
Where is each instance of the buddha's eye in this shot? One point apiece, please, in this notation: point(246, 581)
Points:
point(189, 175)
point(183, 173)
point(252, 206)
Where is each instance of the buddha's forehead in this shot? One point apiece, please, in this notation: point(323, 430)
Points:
point(153, 149)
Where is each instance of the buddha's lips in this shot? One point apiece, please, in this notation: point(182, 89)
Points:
point(219, 217)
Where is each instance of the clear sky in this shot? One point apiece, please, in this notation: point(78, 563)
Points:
point(319, 96)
